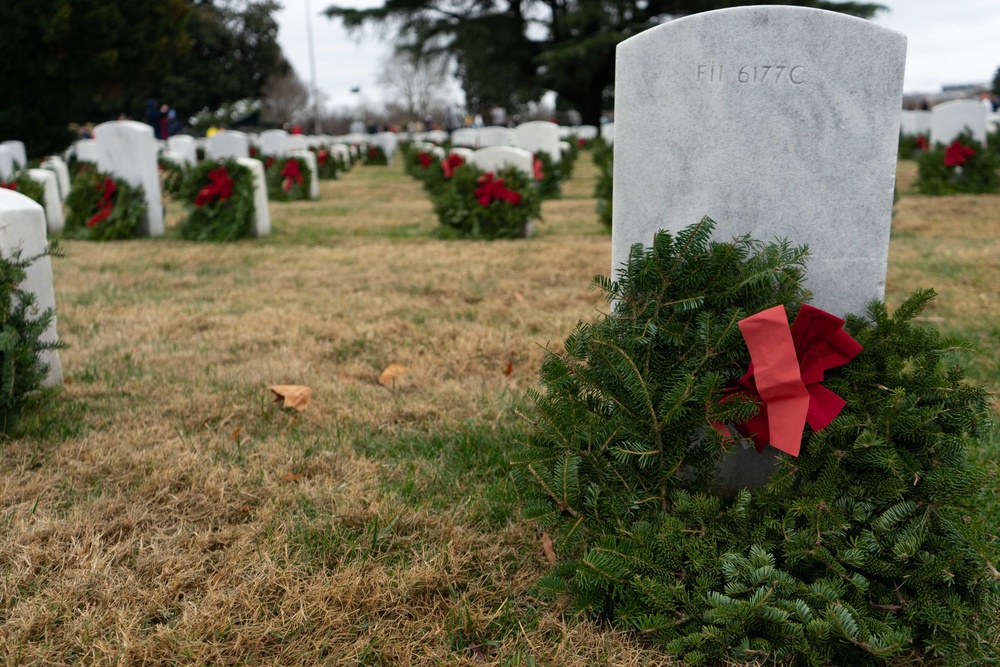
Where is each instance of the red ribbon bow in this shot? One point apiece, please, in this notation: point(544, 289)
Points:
point(9, 186)
point(450, 164)
point(921, 143)
point(105, 203)
point(581, 142)
point(787, 367)
point(221, 186)
point(425, 159)
point(491, 188)
point(957, 154)
point(268, 162)
point(291, 172)
point(372, 153)
point(539, 175)
point(322, 156)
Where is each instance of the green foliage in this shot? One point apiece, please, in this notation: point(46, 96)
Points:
point(218, 220)
point(977, 176)
point(283, 188)
point(912, 146)
point(27, 186)
point(867, 546)
point(376, 156)
point(22, 369)
point(82, 202)
point(328, 166)
point(430, 175)
point(171, 176)
point(552, 176)
point(604, 159)
point(462, 215)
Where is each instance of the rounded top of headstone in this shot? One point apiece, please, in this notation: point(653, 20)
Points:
point(536, 123)
point(15, 201)
point(958, 104)
point(131, 125)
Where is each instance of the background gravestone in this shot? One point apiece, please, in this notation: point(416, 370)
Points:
point(52, 201)
point(273, 143)
point(61, 170)
point(950, 119)
point(17, 151)
point(7, 164)
point(127, 150)
point(261, 215)
point(495, 158)
point(465, 136)
point(539, 136)
point(493, 135)
point(778, 122)
point(228, 144)
point(86, 150)
point(22, 225)
point(185, 145)
point(915, 122)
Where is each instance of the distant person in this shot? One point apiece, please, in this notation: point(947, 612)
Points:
point(372, 127)
point(925, 105)
point(296, 129)
point(212, 129)
point(498, 116)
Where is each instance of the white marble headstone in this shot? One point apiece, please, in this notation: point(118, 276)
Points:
point(915, 122)
point(57, 165)
point(461, 151)
point(388, 142)
point(950, 119)
point(52, 201)
point(86, 150)
point(17, 151)
point(22, 225)
point(228, 144)
point(311, 161)
point(777, 122)
point(539, 136)
point(587, 132)
point(494, 135)
point(273, 142)
point(465, 136)
point(7, 167)
point(296, 142)
point(495, 158)
point(608, 133)
point(186, 147)
point(127, 150)
point(261, 213)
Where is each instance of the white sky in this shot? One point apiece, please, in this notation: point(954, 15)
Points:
point(957, 41)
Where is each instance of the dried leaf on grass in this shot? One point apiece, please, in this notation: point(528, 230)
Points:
point(509, 369)
point(294, 395)
point(391, 374)
point(550, 552)
point(290, 477)
point(478, 655)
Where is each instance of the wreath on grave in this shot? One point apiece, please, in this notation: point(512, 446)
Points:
point(864, 547)
point(220, 202)
point(327, 166)
point(962, 167)
point(287, 178)
point(28, 187)
point(486, 205)
point(103, 208)
point(171, 176)
point(375, 155)
point(548, 175)
point(912, 146)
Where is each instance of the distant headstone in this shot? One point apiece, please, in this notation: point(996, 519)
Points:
point(464, 153)
point(273, 142)
point(437, 136)
point(915, 122)
point(17, 151)
point(7, 164)
point(86, 150)
point(777, 122)
point(261, 213)
point(950, 119)
point(186, 147)
point(465, 136)
point(22, 225)
point(56, 164)
point(127, 150)
point(53, 202)
point(310, 160)
point(608, 133)
point(586, 132)
point(174, 157)
point(225, 145)
point(296, 142)
point(357, 127)
point(539, 136)
point(388, 141)
point(495, 158)
point(493, 135)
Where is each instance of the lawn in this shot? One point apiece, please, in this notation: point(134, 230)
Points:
point(165, 510)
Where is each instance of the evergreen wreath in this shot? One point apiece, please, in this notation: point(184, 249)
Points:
point(911, 146)
point(962, 167)
point(27, 186)
point(327, 166)
point(220, 202)
point(287, 178)
point(866, 547)
point(375, 155)
point(103, 208)
point(171, 176)
point(548, 175)
point(426, 167)
point(486, 205)
point(604, 160)
point(22, 369)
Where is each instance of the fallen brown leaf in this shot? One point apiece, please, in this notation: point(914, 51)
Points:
point(294, 395)
point(510, 368)
point(235, 435)
point(290, 477)
point(518, 296)
point(550, 552)
point(391, 373)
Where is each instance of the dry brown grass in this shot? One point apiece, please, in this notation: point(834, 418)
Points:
point(166, 512)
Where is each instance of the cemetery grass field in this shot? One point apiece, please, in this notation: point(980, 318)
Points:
point(164, 510)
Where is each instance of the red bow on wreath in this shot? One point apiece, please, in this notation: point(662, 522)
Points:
point(490, 189)
point(221, 186)
point(372, 153)
point(921, 143)
point(581, 142)
point(8, 186)
point(268, 162)
point(786, 369)
point(291, 173)
point(322, 156)
point(539, 174)
point(957, 154)
point(105, 204)
point(425, 159)
point(450, 164)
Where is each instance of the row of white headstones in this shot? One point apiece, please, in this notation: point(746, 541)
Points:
point(947, 120)
point(777, 122)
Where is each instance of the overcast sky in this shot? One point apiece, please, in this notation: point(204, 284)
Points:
point(954, 41)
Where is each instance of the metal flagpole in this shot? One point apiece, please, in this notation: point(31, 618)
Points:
point(312, 71)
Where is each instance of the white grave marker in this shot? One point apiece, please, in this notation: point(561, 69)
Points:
point(57, 165)
point(950, 119)
point(53, 202)
point(186, 147)
point(17, 151)
point(127, 150)
point(7, 164)
point(22, 225)
point(228, 144)
point(778, 122)
point(273, 143)
point(495, 158)
point(539, 136)
point(86, 150)
point(261, 214)
point(310, 159)
point(465, 136)
point(495, 135)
